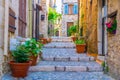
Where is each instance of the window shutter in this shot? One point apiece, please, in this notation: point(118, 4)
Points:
point(66, 9)
point(75, 8)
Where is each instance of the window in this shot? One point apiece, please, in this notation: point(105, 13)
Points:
point(71, 9)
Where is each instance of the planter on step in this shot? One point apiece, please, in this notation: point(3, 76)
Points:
point(44, 40)
point(20, 65)
point(34, 49)
point(19, 69)
point(74, 38)
point(80, 48)
point(33, 60)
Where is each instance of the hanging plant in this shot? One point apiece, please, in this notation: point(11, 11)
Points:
point(112, 26)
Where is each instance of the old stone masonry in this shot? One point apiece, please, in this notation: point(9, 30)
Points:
point(61, 62)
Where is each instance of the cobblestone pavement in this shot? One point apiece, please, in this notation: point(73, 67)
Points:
point(62, 76)
point(61, 62)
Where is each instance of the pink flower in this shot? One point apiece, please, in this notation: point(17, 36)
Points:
point(109, 24)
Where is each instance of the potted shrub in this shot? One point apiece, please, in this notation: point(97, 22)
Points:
point(34, 48)
point(20, 65)
point(72, 32)
point(80, 46)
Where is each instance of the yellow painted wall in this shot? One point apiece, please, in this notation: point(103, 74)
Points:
point(88, 14)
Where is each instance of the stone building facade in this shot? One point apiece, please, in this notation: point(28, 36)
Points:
point(15, 23)
point(44, 23)
point(114, 42)
point(94, 15)
point(70, 15)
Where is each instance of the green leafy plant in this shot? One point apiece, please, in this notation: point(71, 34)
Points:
point(72, 30)
point(33, 47)
point(80, 42)
point(105, 67)
point(20, 55)
point(53, 15)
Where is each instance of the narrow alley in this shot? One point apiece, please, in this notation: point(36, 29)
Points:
point(59, 40)
point(61, 62)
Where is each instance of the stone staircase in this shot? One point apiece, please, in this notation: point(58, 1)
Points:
point(61, 62)
point(60, 55)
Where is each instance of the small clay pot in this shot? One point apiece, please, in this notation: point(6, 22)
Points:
point(33, 60)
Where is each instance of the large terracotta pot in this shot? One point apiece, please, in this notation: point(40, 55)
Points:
point(74, 38)
point(33, 60)
point(80, 48)
point(43, 40)
point(19, 69)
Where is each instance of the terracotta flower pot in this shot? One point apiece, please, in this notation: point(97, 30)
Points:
point(19, 69)
point(33, 60)
point(43, 40)
point(49, 40)
point(80, 48)
point(74, 38)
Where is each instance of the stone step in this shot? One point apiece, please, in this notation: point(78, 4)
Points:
point(61, 39)
point(67, 66)
point(61, 76)
point(53, 54)
point(68, 58)
point(60, 45)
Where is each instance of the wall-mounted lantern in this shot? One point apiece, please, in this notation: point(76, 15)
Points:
point(42, 17)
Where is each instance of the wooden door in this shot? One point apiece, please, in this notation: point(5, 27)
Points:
point(68, 25)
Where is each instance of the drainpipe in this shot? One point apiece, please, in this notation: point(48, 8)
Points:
point(106, 65)
point(6, 27)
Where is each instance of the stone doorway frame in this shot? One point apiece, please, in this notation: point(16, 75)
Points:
point(102, 35)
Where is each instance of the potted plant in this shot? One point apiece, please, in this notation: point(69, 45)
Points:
point(34, 48)
point(80, 46)
point(43, 41)
point(20, 65)
point(72, 32)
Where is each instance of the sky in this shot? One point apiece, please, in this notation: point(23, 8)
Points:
point(59, 5)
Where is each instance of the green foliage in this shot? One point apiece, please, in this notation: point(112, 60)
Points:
point(72, 30)
point(33, 47)
point(53, 15)
point(105, 67)
point(20, 55)
point(80, 41)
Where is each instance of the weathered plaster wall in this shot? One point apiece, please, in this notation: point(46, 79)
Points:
point(2, 8)
point(44, 24)
point(114, 42)
point(88, 15)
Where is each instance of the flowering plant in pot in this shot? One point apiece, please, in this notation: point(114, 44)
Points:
point(80, 46)
point(34, 48)
point(21, 62)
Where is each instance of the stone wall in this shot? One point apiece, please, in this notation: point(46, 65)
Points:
point(2, 10)
point(44, 24)
point(113, 43)
point(65, 19)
